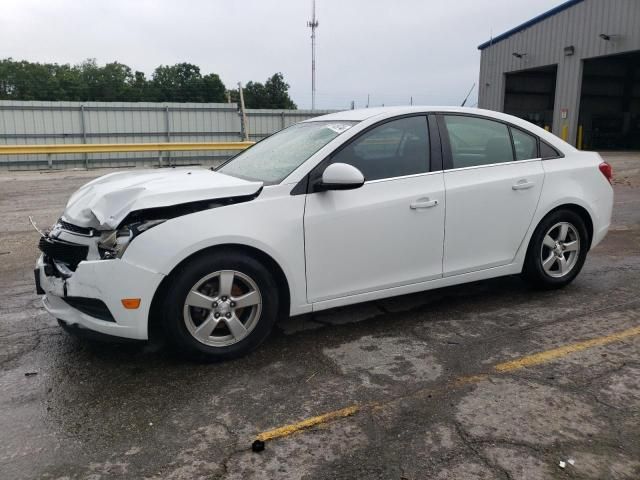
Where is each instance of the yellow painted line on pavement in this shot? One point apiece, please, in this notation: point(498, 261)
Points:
point(308, 423)
point(555, 353)
point(523, 362)
point(467, 379)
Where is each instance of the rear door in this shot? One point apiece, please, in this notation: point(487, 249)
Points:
point(493, 180)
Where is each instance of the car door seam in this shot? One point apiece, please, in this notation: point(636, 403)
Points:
point(535, 212)
point(444, 224)
point(304, 249)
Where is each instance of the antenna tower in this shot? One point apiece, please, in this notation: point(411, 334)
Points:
point(313, 24)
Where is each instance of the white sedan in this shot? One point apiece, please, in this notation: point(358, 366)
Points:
point(340, 209)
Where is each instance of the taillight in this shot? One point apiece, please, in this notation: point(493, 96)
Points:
point(606, 170)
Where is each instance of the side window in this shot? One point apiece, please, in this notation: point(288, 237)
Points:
point(477, 141)
point(525, 145)
point(394, 149)
point(547, 151)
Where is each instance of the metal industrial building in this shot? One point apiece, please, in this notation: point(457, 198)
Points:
point(574, 70)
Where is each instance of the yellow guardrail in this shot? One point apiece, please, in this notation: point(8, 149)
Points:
point(121, 147)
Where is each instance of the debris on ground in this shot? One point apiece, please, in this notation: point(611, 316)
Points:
point(563, 464)
point(257, 446)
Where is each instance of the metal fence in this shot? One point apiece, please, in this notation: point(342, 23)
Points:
point(33, 123)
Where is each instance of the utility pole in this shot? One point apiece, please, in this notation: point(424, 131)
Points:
point(313, 24)
point(243, 115)
point(367, 100)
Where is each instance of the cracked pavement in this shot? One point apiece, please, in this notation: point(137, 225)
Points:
point(72, 409)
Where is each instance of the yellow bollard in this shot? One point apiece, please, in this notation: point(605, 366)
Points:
point(546, 127)
point(565, 132)
point(579, 137)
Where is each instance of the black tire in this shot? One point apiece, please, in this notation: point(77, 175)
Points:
point(533, 270)
point(175, 322)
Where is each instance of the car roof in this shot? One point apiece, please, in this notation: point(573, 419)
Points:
point(382, 113)
point(366, 113)
point(354, 115)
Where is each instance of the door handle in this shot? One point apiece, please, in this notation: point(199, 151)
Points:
point(522, 185)
point(423, 203)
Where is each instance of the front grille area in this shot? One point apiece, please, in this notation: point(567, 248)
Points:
point(69, 227)
point(91, 306)
point(70, 253)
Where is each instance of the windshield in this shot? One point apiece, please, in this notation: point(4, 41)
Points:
point(274, 158)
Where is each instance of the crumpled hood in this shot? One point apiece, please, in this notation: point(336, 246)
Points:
point(104, 202)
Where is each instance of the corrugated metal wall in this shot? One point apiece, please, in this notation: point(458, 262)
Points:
point(120, 122)
point(544, 43)
point(264, 122)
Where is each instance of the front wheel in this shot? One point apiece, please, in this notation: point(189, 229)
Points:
point(557, 250)
point(220, 305)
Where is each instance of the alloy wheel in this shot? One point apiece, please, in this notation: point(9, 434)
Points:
point(560, 249)
point(222, 308)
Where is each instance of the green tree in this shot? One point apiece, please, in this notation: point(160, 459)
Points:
point(173, 82)
point(274, 93)
point(68, 83)
point(26, 81)
point(183, 82)
point(255, 95)
point(277, 91)
point(88, 81)
point(213, 89)
point(140, 89)
point(109, 83)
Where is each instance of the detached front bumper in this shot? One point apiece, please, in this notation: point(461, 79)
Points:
point(104, 283)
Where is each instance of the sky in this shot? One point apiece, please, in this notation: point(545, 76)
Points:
point(389, 50)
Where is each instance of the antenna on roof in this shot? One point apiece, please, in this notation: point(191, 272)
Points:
point(467, 97)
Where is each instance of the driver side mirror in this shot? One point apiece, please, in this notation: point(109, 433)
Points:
point(340, 176)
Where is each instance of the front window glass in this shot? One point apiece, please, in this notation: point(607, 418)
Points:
point(274, 158)
point(394, 149)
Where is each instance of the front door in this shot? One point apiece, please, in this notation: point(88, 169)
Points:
point(387, 233)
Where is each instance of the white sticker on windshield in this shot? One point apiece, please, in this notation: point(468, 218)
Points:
point(339, 127)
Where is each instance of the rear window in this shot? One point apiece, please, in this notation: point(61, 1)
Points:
point(525, 145)
point(477, 141)
point(547, 151)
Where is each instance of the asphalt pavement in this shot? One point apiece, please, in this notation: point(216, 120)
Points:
point(489, 380)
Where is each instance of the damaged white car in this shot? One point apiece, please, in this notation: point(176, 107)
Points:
point(339, 209)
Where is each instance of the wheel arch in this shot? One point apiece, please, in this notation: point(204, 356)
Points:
point(284, 291)
point(579, 210)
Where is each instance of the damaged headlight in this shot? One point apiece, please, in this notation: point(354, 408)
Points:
point(114, 243)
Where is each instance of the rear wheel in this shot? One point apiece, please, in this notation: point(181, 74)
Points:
point(557, 250)
point(220, 305)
